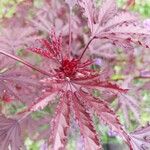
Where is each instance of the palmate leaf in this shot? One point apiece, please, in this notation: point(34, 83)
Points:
point(10, 134)
point(108, 16)
point(117, 25)
point(108, 19)
point(106, 115)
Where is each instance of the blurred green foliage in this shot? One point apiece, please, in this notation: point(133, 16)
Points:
point(141, 6)
point(8, 7)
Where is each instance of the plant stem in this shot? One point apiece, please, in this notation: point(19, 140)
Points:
point(70, 13)
point(25, 63)
point(84, 50)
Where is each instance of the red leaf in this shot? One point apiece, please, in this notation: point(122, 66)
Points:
point(51, 49)
point(91, 140)
point(42, 102)
point(94, 82)
point(106, 115)
point(60, 123)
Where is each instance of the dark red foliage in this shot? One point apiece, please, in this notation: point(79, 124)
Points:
point(66, 77)
point(69, 67)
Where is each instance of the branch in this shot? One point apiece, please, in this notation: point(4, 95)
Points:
point(87, 47)
point(70, 32)
point(25, 63)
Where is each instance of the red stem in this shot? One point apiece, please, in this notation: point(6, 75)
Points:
point(84, 50)
point(70, 30)
point(25, 63)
